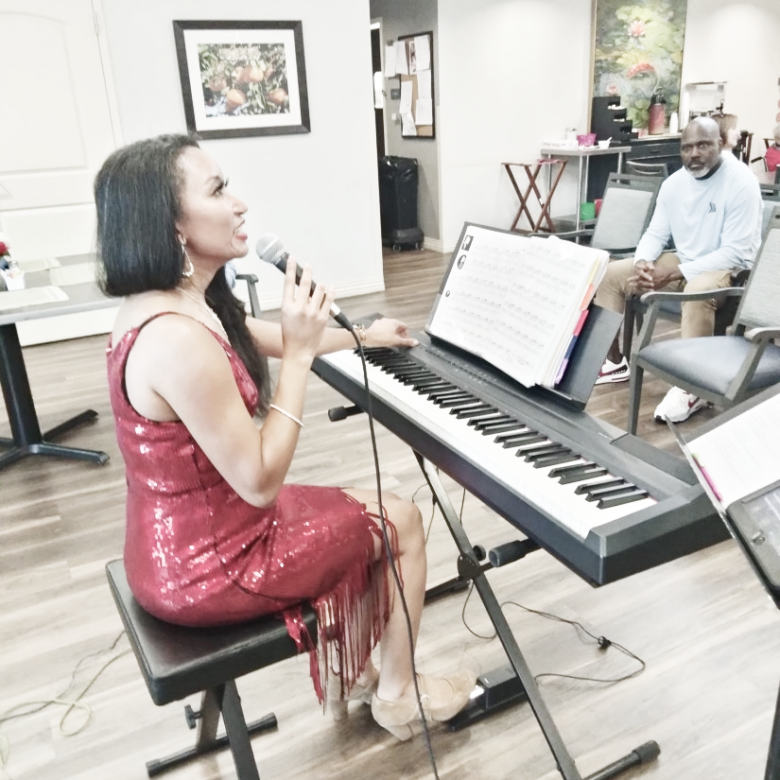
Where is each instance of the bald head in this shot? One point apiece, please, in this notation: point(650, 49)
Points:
point(700, 146)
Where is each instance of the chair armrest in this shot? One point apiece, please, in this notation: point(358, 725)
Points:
point(247, 278)
point(654, 299)
point(762, 334)
point(722, 292)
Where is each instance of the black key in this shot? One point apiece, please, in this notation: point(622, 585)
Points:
point(474, 411)
point(521, 451)
point(495, 418)
point(637, 495)
point(511, 425)
point(553, 460)
point(596, 486)
point(458, 403)
point(568, 474)
point(617, 491)
point(429, 384)
point(453, 392)
point(475, 404)
point(532, 437)
point(551, 449)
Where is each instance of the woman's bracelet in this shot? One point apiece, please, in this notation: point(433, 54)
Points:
point(286, 414)
point(362, 334)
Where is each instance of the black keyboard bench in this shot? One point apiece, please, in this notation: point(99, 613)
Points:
point(177, 661)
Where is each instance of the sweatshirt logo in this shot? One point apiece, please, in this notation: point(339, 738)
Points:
point(712, 208)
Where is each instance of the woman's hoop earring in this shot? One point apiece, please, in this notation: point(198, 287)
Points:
point(189, 268)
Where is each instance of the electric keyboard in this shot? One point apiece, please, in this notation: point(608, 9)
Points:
point(605, 503)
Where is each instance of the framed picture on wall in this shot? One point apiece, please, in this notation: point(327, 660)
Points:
point(242, 78)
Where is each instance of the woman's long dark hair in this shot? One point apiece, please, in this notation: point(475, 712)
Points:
point(137, 193)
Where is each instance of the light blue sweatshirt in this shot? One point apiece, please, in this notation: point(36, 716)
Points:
point(715, 223)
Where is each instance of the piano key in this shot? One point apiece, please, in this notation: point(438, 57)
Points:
point(569, 474)
point(591, 486)
point(479, 423)
point(511, 425)
point(554, 460)
point(474, 411)
point(611, 492)
point(458, 403)
point(555, 449)
point(636, 495)
point(522, 438)
point(443, 395)
point(553, 497)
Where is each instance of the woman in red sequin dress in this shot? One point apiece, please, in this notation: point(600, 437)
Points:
point(214, 536)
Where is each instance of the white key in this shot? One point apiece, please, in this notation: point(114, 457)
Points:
point(548, 495)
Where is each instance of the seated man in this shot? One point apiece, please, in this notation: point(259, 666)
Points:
point(711, 210)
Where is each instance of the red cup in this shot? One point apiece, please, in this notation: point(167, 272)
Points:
point(598, 205)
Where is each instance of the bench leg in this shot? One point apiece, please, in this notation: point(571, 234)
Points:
point(222, 699)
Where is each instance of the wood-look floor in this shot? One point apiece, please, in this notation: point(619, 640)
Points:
point(703, 625)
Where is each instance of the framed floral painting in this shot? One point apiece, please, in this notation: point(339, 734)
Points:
point(242, 78)
point(638, 53)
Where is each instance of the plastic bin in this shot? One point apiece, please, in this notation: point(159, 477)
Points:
point(398, 178)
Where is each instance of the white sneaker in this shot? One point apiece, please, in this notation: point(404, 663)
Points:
point(678, 405)
point(614, 372)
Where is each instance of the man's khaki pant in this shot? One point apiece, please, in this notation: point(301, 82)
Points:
point(698, 317)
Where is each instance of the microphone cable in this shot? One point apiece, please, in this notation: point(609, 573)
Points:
point(389, 551)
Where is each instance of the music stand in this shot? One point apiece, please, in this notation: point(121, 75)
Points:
point(754, 522)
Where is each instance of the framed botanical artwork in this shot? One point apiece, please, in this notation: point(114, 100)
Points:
point(638, 53)
point(242, 78)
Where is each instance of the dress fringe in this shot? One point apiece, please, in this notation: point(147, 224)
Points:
point(350, 618)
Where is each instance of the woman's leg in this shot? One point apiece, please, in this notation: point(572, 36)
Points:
point(395, 680)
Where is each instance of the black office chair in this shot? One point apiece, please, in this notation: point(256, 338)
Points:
point(721, 369)
point(647, 169)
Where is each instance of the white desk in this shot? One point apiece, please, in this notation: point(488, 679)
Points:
point(583, 155)
point(27, 438)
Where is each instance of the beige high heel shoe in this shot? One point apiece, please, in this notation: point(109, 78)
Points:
point(402, 718)
point(362, 691)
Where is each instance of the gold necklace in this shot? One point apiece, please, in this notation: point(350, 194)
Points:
point(212, 313)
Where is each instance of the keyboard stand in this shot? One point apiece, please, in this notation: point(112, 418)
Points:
point(523, 686)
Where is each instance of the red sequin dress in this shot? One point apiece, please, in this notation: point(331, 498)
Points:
point(197, 554)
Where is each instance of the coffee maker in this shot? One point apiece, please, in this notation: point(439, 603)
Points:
point(608, 120)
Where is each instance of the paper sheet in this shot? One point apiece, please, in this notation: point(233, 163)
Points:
point(516, 301)
point(390, 66)
point(423, 112)
point(401, 61)
point(743, 454)
point(422, 52)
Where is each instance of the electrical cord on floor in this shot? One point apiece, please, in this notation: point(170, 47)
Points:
point(601, 641)
point(433, 511)
point(389, 552)
point(71, 704)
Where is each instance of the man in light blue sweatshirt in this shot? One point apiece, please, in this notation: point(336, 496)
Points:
point(711, 210)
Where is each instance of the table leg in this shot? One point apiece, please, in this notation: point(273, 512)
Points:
point(26, 438)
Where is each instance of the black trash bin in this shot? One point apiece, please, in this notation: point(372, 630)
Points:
point(398, 202)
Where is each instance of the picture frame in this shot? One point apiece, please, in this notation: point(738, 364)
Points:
point(637, 53)
point(242, 78)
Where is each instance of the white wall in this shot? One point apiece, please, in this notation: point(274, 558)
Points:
point(406, 17)
point(511, 74)
point(317, 191)
point(739, 43)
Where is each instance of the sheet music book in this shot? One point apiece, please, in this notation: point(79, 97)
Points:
point(737, 461)
point(517, 302)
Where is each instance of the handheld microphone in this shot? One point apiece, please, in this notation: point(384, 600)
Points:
point(270, 249)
